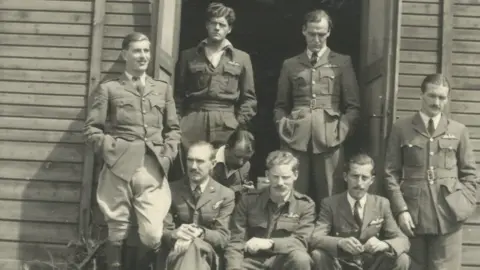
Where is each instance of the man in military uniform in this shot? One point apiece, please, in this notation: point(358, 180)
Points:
point(316, 109)
point(137, 151)
point(356, 230)
point(270, 228)
point(232, 162)
point(196, 227)
point(214, 90)
point(430, 178)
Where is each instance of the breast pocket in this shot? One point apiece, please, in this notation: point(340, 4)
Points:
point(447, 153)
point(413, 153)
point(287, 224)
point(327, 80)
point(231, 75)
point(200, 77)
point(157, 108)
point(124, 111)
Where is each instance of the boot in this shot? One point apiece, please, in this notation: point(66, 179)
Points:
point(113, 252)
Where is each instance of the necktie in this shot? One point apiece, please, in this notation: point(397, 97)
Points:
point(197, 192)
point(356, 213)
point(314, 58)
point(138, 84)
point(431, 127)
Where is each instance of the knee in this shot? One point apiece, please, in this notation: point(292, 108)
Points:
point(403, 262)
point(321, 259)
point(299, 259)
point(151, 239)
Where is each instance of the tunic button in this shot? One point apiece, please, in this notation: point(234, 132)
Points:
point(146, 126)
point(144, 112)
point(313, 82)
point(145, 139)
point(431, 139)
point(431, 153)
point(313, 69)
point(143, 99)
point(313, 95)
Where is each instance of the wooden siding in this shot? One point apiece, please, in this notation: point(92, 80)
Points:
point(421, 53)
point(44, 59)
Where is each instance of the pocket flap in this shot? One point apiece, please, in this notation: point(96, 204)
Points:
point(332, 113)
point(415, 142)
point(327, 72)
point(158, 103)
point(197, 67)
point(121, 102)
point(447, 144)
point(451, 184)
point(231, 69)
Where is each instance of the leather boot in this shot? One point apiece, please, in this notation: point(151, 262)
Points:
point(113, 252)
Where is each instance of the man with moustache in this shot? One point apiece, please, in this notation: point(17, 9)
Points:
point(137, 151)
point(356, 230)
point(232, 162)
point(317, 107)
point(270, 228)
point(430, 178)
point(214, 90)
point(196, 228)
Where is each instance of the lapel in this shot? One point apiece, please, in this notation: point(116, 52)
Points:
point(303, 59)
point(207, 194)
point(369, 212)
point(418, 125)
point(345, 210)
point(325, 58)
point(149, 85)
point(186, 193)
point(127, 84)
point(442, 127)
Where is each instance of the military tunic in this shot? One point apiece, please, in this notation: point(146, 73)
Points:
point(434, 179)
point(289, 226)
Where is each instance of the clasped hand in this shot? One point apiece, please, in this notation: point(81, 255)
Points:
point(255, 245)
point(354, 247)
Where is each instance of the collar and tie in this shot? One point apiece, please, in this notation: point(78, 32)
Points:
point(314, 58)
point(356, 213)
point(138, 84)
point(431, 127)
point(197, 193)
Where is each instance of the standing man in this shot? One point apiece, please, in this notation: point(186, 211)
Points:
point(232, 166)
point(317, 107)
point(196, 228)
point(356, 230)
point(214, 92)
point(271, 227)
point(430, 179)
point(138, 150)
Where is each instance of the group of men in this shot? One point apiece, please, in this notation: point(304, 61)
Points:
point(315, 212)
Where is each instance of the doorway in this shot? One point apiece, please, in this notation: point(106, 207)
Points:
point(270, 31)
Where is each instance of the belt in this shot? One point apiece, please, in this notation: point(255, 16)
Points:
point(321, 102)
point(212, 106)
point(431, 174)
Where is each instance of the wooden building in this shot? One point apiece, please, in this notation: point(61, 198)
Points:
point(53, 53)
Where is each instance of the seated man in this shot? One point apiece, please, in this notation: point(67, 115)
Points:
point(356, 230)
point(270, 227)
point(196, 227)
point(232, 162)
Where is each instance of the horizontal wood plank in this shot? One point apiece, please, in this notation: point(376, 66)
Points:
point(466, 34)
point(44, 40)
point(128, 8)
point(112, 43)
point(122, 31)
point(47, 5)
point(455, 107)
point(467, 119)
point(128, 19)
point(112, 55)
point(35, 16)
point(419, 57)
point(41, 136)
point(42, 100)
point(43, 76)
point(420, 20)
point(420, 8)
point(466, 22)
point(43, 52)
point(37, 232)
point(420, 32)
point(455, 95)
point(30, 252)
point(456, 82)
point(418, 68)
point(39, 191)
point(44, 88)
point(466, 71)
point(43, 64)
point(466, 46)
point(113, 67)
point(55, 152)
point(39, 211)
point(415, 44)
point(40, 124)
point(470, 256)
point(41, 170)
point(45, 29)
point(471, 234)
point(42, 112)
point(466, 10)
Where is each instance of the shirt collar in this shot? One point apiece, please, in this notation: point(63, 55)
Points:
point(142, 78)
point(203, 185)
point(426, 118)
point(352, 201)
point(320, 53)
point(226, 46)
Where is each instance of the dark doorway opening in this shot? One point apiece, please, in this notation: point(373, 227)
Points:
point(270, 31)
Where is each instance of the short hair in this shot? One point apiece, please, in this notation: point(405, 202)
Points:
point(132, 37)
point(281, 157)
point(316, 16)
point(209, 146)
point(360, 159)
point(218, 10)
point(435, 79)
point(241, 137)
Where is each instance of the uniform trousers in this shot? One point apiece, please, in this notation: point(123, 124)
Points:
point(294, 260)
point(319, 175)
point(322, 260)
point(147, 193)
point(437, 252)
point(199, 254)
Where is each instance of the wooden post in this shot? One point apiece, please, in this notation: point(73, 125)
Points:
point(94, 80)
point(447, 42)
